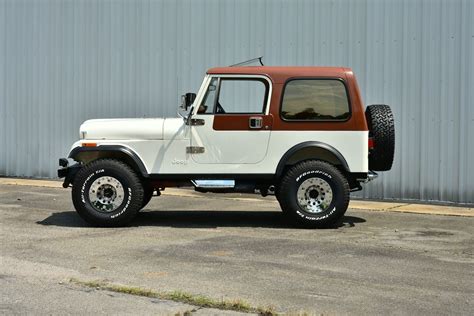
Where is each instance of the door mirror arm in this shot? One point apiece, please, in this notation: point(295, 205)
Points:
point(187, 119)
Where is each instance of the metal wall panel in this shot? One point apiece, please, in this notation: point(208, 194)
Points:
point(62, 62)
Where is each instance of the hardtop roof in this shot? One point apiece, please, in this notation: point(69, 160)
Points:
point(282, 73)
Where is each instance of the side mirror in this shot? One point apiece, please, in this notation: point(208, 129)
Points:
point(187, 100)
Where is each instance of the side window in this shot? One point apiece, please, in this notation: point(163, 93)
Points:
point(207, 105)
point(315, 100)
point(241, 96)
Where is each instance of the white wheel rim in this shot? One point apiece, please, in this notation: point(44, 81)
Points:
point(106, 194)
point(314, 195)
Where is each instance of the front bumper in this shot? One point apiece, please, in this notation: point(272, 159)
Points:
point(68, 170)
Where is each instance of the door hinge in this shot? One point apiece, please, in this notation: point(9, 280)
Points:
point(194, 150)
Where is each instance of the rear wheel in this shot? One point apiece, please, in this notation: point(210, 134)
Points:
point(314, 194)
point(107, 192)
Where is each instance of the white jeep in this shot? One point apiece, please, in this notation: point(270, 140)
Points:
point(299, 133)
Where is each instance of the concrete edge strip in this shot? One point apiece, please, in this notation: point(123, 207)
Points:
point(354, 204)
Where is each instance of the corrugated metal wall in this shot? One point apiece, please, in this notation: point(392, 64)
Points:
point(62, 62)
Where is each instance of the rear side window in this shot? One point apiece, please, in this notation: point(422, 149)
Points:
point(315, 100)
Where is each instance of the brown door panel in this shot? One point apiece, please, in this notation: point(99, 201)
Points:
point(240, 122)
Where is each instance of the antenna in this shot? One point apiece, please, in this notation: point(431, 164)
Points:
point(249, 62)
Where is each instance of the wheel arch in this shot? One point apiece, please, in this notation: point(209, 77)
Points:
point(312, 150)
point(122, 153)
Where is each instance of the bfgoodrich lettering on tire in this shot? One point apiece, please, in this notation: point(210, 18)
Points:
point(107, 192)
point(314, 194)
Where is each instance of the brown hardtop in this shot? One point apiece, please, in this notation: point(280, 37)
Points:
point(279, 74)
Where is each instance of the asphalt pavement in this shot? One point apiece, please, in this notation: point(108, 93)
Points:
point(234, 247)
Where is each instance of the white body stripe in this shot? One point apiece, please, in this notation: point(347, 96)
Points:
point(170, 157)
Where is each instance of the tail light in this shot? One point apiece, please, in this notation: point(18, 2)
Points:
point(371, 143)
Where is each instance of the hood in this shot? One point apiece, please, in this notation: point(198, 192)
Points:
point(133, 128)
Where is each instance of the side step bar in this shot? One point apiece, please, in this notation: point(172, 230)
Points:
point(213, 184)
point(231, 186)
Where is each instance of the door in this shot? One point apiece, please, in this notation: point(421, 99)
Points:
point(231, 124)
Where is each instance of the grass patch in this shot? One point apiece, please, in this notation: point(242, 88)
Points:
point(204, 301)
point(179, 296)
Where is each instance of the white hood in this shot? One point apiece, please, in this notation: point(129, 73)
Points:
point(141, 128)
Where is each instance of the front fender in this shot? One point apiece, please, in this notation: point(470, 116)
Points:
point(110, 151)
point(80, 155)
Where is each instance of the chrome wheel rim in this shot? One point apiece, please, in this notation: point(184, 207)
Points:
point(106, 194)
point(314, 195)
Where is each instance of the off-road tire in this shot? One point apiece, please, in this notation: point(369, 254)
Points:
point(382, 130)
point(128, 179)
point(291, 182)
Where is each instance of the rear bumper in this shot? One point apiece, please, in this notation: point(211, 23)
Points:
point(68, 170)
point(371, 175)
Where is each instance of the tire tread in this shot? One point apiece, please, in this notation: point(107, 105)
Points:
point(381, 125)
point(285, 200)
point(135, 184)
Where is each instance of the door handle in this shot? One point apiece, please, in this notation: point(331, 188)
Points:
point(255, 122)
point(196, 122)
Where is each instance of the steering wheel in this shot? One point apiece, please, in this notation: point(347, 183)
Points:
point(202, 109)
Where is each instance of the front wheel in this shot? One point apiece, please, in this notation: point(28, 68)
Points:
point(107, 192)
point(314, 194)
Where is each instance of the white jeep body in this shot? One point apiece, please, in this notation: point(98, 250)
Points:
point(161, 144)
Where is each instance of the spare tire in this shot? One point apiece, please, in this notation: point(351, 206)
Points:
point(382, 131)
